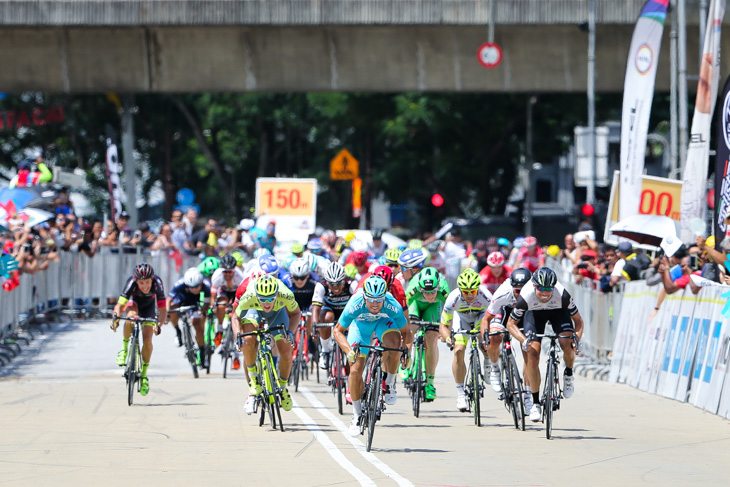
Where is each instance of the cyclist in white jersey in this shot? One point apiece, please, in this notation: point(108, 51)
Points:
point(546, 300)
point(462, 311)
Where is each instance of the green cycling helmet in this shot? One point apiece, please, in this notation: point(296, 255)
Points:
point(297, 248)
point(468, 280)
point(428, 279)
point(415, 243)
point(350, 270)
point(238, 256)
point(208, 266)
point(391, 255)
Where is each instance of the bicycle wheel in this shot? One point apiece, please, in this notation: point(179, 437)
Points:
point(227, 347)
point(189, 348)
point(509, 392)
point(547, 409)
point(339, 379)
point(131, 369)
point(374, 402)
point(518, 397)
point(418, 389)
point(274, 400)
point(474, 362)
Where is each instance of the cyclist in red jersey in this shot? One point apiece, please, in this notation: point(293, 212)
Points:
point(496, 272)
point(394, 287)
point(531, 257)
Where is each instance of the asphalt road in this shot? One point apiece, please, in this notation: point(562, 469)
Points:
point(64, 420)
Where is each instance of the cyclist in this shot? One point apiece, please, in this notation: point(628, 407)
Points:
point(224, 282)
point(187, 292)
point(254, 262)
point(496, 272)
point(411, 262)
point(328, 302)
point(208, 267)
point(390, 258)
point(377, 247)
point(374, 310)
point(394, 287)
point(267, 297)
point(359, 258)
point(494, 320)
point(546, 300)
point(463, 309)
point(315, 247)
point(270, 265)
point(531, 257)
point(140, 294)
point(426, 296)
point(304, 285)
point(297, 250)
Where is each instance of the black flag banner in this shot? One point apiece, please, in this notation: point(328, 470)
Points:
point(112, 172)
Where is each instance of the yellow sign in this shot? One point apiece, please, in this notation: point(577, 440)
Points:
point(659, 196)
point(344, 167)
point(286, 197)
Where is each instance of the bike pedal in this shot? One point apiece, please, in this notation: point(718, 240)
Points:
point(500, 397)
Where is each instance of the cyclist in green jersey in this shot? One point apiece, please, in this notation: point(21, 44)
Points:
point(426, 295)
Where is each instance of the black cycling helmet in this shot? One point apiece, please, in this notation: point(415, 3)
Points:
point(228, 262)
point(377, 234)
point(520, 277)
point(143, 271)
point(544, 277)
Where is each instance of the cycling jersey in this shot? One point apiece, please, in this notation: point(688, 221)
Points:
point(558, 310)
point(492, 282)
point(250, 300)
point(218, 281)
point(361, 323)
point(303, 295)
point(131, 294)
point(422, 309)
point(327, 300)
point(181, 295)
point(503, 297)
point(531, 262)
point(467, 313)
point(396, 289)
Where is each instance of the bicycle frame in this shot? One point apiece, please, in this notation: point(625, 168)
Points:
point(512, 391)
point(300, 352)
point(190, 346)
point(337, 371)
point(551, 392)
point(416, 381)
point(133, 368)
point(474, 383)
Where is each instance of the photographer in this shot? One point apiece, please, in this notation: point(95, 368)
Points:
point(143, 238)
point(586, 268)
point(87, 244)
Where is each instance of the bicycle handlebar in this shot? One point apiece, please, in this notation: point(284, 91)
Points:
point(425, 323)
point(261, 331)
point(184, 308)
point(325, 325)
point(380, 348)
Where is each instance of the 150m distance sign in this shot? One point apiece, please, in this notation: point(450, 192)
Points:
point(292, 201)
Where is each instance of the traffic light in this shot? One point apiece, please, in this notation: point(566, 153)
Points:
point(587, 210)
point(437, 200)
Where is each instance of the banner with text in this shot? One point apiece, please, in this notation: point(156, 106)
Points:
point(722, 171)
point(113, 168)
point(291, 202)
point(641, 68)
point(694, 174)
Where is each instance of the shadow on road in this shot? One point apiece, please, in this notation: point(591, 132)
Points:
point(414, 425)
point(408, 450)
point(32, 355)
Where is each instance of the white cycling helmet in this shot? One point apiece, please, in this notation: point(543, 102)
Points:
point(193, 277)
point(299, 268)
point(335, 273)
point(413, 258)
point(246, 224)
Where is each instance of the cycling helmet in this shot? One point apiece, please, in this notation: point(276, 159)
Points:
point(412, 258)
point(256, 273)
point(553, 250)
point(143, 271)
point(519, 242)
point(350, 236)
point(208, 266)
point(520, 277)
point(299, 268)
point(358, 245)
point(530, 241)
point(359, 257)
point(193, 277)
point(259, 252)
point(297, 248)
point(228, 262)
point(391, 255)
point(350, 270)
point(267, 286)
point(503, 242)
point(314, 245)
point(495, 259)
point(377, 234)
point(328, 237)
point(415, 243)
point(428, 279)
point(468, 280)
point(238, 256)
point(335, 273)
point(384, 272)
point(375, 287)
point(544, 277)
point(269, 264)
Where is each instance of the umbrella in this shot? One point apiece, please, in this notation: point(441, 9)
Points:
point(19, 196)
point(646, 229)
point(33, 216)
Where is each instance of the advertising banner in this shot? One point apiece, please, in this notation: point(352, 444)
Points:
point(722, 171)
point(113, 168)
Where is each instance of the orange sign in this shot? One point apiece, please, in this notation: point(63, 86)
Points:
point(659, 196)
point(285, 197)
point(344, 167)
point(356, 197)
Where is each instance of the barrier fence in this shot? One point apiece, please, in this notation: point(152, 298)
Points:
point(79, 282)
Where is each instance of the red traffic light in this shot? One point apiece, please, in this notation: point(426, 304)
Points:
point(437, 200)
point(587, 209)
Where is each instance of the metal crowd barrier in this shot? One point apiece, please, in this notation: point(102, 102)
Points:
point(79, 284)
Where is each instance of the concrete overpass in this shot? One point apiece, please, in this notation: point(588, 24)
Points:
point(78, 46)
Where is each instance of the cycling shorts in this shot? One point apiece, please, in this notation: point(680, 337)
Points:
point(335, 311)
point(273, 318)
point(147, 309)
point(361, 331)
point(462, 323)
point(536, 320)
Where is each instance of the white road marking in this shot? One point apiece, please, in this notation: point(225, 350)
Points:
point(331, 448)
point(359, 446)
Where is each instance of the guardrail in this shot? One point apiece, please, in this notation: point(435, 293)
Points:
point(74, 284)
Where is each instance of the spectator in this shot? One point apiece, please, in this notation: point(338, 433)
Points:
point(454, 248)
point(87, 244)
point(124, 232)
point(205, 239)
point(164, 242)
point(143, 237)
point(586, 269)
point(110, 238)
point(624, 250)
point(568, 256)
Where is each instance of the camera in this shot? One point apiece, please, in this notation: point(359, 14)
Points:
point(694, 262)
point(137, 234)
point(583, 265)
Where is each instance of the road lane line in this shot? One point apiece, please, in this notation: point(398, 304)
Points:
point(359, 446)
point(331, 448)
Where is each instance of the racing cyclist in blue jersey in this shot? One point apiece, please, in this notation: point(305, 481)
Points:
point(270, 265)
point(374, 310)
point(187, 292)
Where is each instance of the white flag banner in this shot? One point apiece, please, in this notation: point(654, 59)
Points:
point(641, 69)
point(113, 168)
point(694, 175)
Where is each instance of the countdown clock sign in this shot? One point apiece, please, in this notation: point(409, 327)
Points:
point(489, 55)
point(291, 202)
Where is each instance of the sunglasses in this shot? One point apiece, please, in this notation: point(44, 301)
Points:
point(300, 278)
point(430, 293)
point(394, 266)
point(469, 292)
point(374, 300)
point(545, 289)
point(267, 299)
point(336, 284)
point(228, 271)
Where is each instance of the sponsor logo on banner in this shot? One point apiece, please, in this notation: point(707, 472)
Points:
point(722, 178)
point(644, 59)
